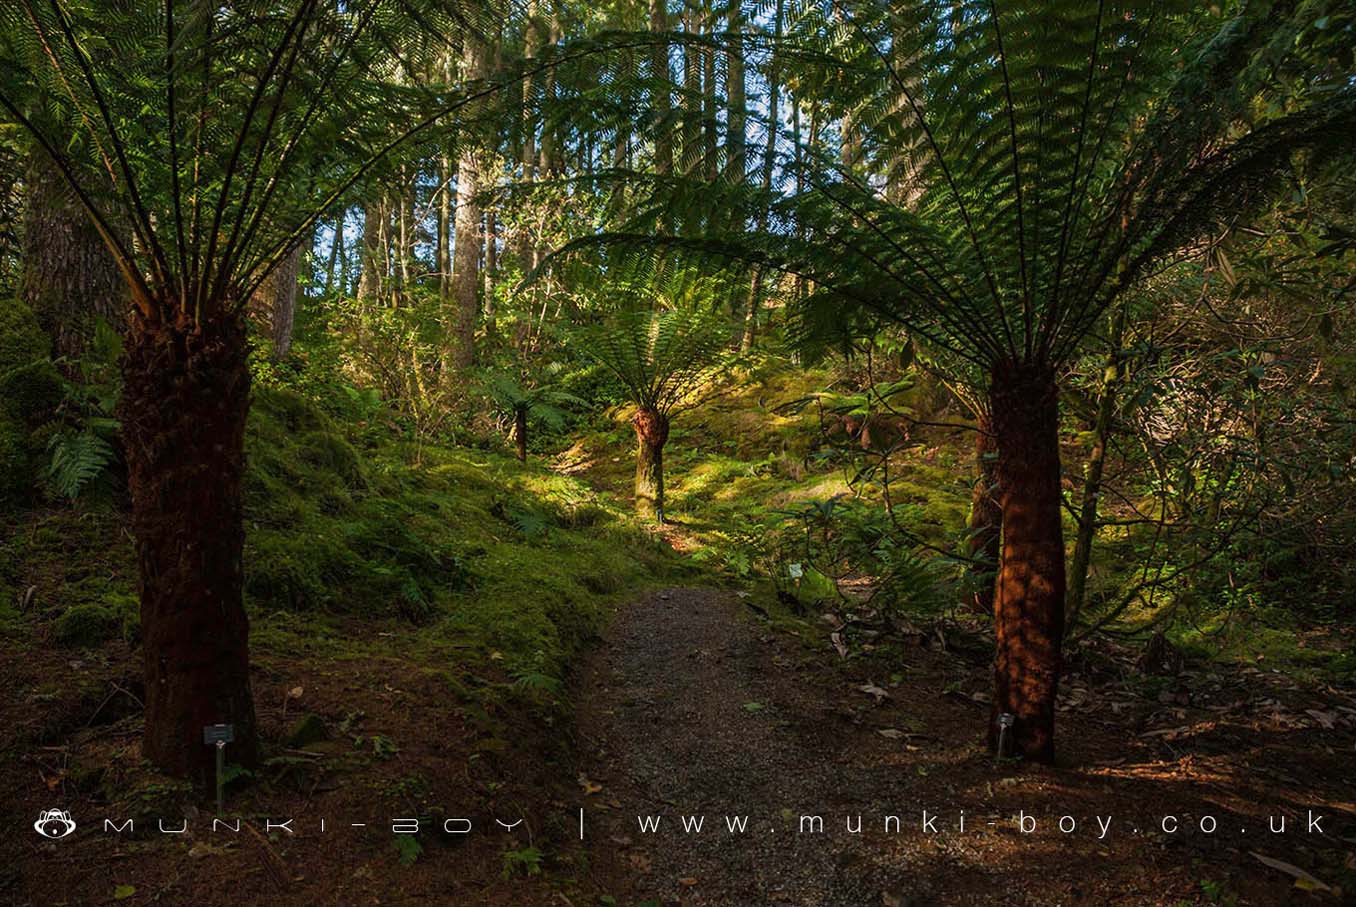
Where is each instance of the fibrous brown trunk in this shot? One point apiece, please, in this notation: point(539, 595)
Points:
point(1029, 598)
point(520, 433)
point(69, 279)
point(183, 408)
point(986, 518)
point(652, 430)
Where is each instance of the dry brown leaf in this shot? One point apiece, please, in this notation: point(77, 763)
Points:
point(837, 640)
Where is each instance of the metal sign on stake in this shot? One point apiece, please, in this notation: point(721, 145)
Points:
point(219, 735)
point(1005, 721)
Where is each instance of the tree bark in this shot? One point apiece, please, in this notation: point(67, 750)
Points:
point(769, 163)
point(276, 300)
point(986, 518)
point(693, 140)
point(652, 431)
point(466, 246)
point(373, 276)
point(68, 279)
point(1029, 599)
point(183, 410)
point(442, 248)
point(659, 71)
point(520, 433)
point(491, 269)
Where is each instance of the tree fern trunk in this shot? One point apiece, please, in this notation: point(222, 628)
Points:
point(183, 420)
point(1029, 602)
point(652, 430)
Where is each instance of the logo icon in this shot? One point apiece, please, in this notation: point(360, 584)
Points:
point(54, 823)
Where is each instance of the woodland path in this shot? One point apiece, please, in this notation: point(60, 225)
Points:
point(691, 707)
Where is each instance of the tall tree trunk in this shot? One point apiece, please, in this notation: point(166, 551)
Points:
point(372, 279)
point(736, 105)
point(986, 518)
point(652, 430)
point(520, 432)
point(1092, 472)
point(466, 247)
point(691, 155)
point(442, 248)
point(659, 72)
point(769, 164)
point(183, 408)
point(68, 277)
point(336, 243)
point(276, 301)
point(491, 268)
point(710, 126)
point(1029, 600)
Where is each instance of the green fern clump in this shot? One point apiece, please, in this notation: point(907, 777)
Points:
point(78, 457)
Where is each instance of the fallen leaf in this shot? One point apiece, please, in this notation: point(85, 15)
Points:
point(1326, 719)
point(688, 881)
point(890, 733)
point(871, 689)
point(1302, 879)
point(753, 706)
point(837, 640)
point(123, 892)
point(295, 692)
point(590, 787)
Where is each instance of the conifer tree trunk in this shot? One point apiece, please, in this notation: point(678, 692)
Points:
point(372, 278)
point(659, 71)
point(68, 278)
point(1029, 598)
point(652, 431)
point(277, 301)
point(466, 246)
point(183, 410)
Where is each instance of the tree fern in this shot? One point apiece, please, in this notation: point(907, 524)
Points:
point(78, 457)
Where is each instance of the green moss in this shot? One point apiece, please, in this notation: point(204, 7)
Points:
point(31, 392)
point(327, 450)
point(22, 339)
point(87, 625)
point(16, 477)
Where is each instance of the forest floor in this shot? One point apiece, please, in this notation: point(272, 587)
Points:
point(694, 704)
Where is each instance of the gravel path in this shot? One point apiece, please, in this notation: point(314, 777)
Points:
point(688, 716)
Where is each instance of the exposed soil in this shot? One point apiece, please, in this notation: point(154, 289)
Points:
point(692, 708)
